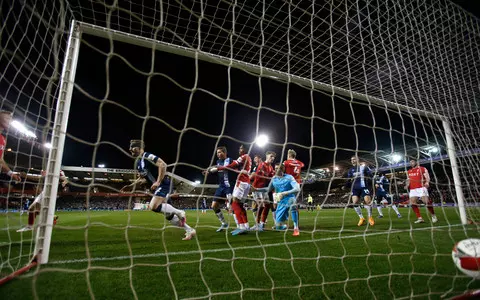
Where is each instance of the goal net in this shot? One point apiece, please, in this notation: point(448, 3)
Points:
point(361, 91)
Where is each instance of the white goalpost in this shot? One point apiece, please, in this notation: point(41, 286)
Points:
point(43, 238)
point(357, 88)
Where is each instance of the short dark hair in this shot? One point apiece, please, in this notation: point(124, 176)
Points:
point(257, 155)
point(137, 143)
point(222, 148)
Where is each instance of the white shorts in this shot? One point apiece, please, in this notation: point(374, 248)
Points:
point(420, 192)
point(241, 190)
point(39, 198)
point(260, 196)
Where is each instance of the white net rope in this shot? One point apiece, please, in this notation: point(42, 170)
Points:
point(401, 64)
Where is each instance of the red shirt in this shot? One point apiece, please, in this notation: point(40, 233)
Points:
point(294, 167)
point(244, 163)
point(3, 144)
point(416, 177)
point(263, 175)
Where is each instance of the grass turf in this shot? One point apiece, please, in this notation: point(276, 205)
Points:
point(122, 255)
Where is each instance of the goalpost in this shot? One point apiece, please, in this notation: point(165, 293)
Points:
point(66, 88)
point(399, 100)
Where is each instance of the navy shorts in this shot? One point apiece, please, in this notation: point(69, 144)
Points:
point(379, 195)
point(162, 191)
point(361, 192)
point(221, 193)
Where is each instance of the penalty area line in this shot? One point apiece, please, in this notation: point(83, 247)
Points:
point(177, 253)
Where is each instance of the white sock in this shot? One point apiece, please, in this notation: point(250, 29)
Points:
point(369, 210)
point(168, 209)
point(395, 208)
point(358, 210)
point(236, 221)
point(379, 208)
point(246, 226)
point(176, 222)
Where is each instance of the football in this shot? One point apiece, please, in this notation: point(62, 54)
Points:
point(466, 256)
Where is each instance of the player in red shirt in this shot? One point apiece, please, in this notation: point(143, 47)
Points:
point(241, 189)
point(293, 167)
point(418, 182)
point(261, 178)
point(5, 119)
point(257, 160)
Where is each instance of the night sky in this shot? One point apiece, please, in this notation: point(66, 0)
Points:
point(178, 133)
point(114, 95)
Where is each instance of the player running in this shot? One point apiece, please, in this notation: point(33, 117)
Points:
point(359, 186)
point(151, 170)
point(285, 192)
point(418, 182)
point(241, 189)
point(382, 184)
point(261, 178)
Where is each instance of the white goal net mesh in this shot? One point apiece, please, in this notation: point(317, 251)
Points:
point(382, 81)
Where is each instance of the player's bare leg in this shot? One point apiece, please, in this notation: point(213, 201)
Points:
point(358, 210)
point(263, 219)
point(175, 216)
point(294, 211)
point(429, 204)
point(368, 207)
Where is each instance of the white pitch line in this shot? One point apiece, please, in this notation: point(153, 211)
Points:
point(72, 261)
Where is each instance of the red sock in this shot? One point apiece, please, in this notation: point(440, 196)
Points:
point(238, 212)
point(265, 213)
point(244, 215)
point(416, 210)
point(430, 207)
point(31, 218)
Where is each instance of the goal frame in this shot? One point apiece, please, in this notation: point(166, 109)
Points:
point(77, 29)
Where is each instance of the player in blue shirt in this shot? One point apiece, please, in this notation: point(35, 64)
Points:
point(359, 175)
point(151, 170)
point(225, 183)
point(285, 189)
point(203, 206)
point(381, 187)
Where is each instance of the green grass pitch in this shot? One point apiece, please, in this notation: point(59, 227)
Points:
point(123, 255)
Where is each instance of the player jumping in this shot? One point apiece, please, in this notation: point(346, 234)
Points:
point(151, 170)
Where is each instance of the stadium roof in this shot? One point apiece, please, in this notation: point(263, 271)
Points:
point(181, 185)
